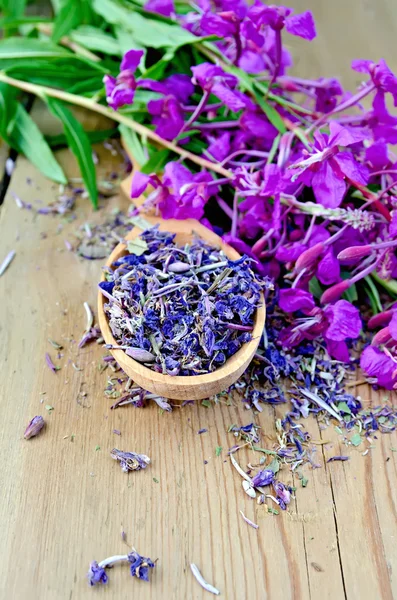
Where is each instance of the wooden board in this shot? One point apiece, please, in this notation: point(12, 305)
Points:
point(65, 502)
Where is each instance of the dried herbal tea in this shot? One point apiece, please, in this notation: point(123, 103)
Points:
point(180, 310)
point(97, 241)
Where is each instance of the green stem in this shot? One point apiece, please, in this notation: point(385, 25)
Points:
point(41, 91)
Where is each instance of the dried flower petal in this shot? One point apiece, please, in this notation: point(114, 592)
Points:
point(34, 427)
point(130, 461)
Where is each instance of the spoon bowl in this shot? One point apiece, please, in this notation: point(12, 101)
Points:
point(183, 387)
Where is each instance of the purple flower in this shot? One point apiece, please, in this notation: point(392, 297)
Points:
point(328, 269)
point(380, 365)
point(223, 24)
point(262, 478)
point(278, 17)
point(336, 323)
point(382, 77)
point(326, 94)
point(294, 299)
point(188, 196)
point(130, 461)
point(96, 574)
point(34, 427)
point(121, 90)
point(167, 116)
point(161, 7)
point(327, 167)
point(212, 78)
point(139, 565)
point(219, 147)
point(283, 494)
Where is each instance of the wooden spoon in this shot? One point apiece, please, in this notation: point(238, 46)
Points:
point(185, 387)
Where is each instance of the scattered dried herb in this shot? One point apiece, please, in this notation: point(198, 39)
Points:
point(139, 567)
point(130, 461)
point(204, 584)
point(50, 364)
point(7, 261)
point(251, 523)
point(34, 427)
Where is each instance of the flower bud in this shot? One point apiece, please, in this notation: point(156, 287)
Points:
point(381, 319)
point(381, 337)
point(140, 355)
point(334, 292)
point(179, 267)
point(34, 427)
point(354, 252)
point(309, 257)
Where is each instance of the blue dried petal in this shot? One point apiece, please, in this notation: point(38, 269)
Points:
point(263, 478)
point(96, 574)
point(140, 565)
point(107, 286)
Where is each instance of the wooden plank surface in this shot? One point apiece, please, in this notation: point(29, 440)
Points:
point(65, 502)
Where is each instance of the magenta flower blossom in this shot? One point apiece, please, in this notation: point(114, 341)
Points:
point(213, 79)
point(167, 116)
point(382, 77)
point(380, 365)
point(120, 91)
point(180, 195)
point(161, 7)
point(326, 94)
point(328, 167)
point(336, 323)
point(278, 17)
point(292, 299)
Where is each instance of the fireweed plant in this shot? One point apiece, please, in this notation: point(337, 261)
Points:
point(294, 173)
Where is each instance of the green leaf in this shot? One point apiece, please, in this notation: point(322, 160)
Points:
point(95, 137)
point(13, 22)
point(95, 39)
point(356, 439)
point(133, 144)
point(218, 450)
point(28, 139)
point(16, 47)
point(390, 285)
point(373, 295)
point(150, 32)
point(126, 40)
point(274, 466)
point(156, 162)
point(8, 107)
point(79, 145)
point(343, 407)
point(137, 246)
point(57, 5)
point(68, 18)
point(315, 288)
point(13, 8)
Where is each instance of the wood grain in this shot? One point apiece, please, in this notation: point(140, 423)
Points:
point(64, 502)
